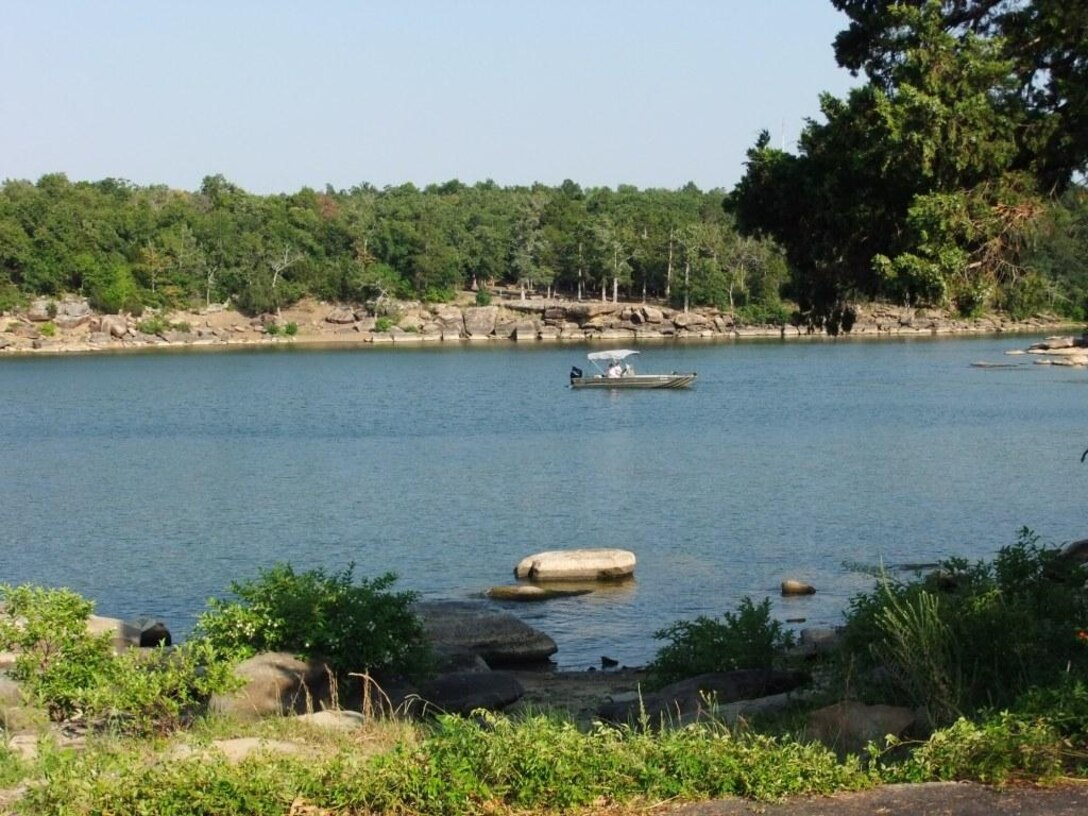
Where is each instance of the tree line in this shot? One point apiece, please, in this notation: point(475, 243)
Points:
point(952, 177)
point(127, 247)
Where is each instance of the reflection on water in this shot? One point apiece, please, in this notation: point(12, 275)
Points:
point(149, 482)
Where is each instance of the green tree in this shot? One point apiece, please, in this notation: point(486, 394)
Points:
point(912, 187)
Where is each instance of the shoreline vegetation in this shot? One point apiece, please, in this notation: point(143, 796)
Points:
point(69, 325)
point(247, 718)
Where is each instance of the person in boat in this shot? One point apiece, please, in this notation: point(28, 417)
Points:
point(615, 370)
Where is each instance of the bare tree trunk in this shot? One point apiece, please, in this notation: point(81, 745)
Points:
point(278, 266)
point(687, 280)
point(580, 270)
point(208, 281)
point(668, 269)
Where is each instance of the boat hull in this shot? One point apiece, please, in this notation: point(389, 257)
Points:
point(635, 381)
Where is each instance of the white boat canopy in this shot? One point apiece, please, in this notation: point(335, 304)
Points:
point(618, 354)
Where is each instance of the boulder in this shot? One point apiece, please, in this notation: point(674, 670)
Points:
point(526, 330)
point(334, 720)
point(73, 307)
point(689, 700)
point(71, 321)
point(341, 315)
point(586, 311)
point(600, 564)
point(820, 640)
point(849, 726)
point(689, 320)
point(498, 637)
point(480, 320)
point(41, 310)
point(652, 314)
point(450, 321)
point(529, 592)
point(122, 636)
point(149, 631)
point(791, 587)
point(464, 692)
point(113, 325)
point(275, 683)
point(1076, 552)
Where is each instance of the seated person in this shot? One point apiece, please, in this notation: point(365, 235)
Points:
point(614, 369)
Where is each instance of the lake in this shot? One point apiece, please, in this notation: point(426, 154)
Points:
point(148, 482)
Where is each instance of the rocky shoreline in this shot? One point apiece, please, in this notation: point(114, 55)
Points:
point(69, 325)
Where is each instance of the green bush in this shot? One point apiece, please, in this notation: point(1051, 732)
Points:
point(272, 329)
point(1001, 747)
point(764, 314)
point(483, 297)
point(48, 329)
point(153, 325)
point(69, 673)
point(355, 627)
point(383, 324)
point(970, 637)
point(12, 768)
point(291, 329)
point(746, 639)
point(11, 299)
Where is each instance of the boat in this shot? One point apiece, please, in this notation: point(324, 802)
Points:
point(618, 373)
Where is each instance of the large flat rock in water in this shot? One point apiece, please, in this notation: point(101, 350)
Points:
point(498, 637)
point(600, 564)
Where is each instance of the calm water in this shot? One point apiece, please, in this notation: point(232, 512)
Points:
point(148, 482)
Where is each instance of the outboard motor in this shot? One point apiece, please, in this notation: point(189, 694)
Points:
point(575, 373)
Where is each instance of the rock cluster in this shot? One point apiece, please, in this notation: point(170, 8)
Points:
point(1062, 351)
point(69, 324)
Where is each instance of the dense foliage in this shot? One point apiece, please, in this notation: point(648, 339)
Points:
point(937, 182)
point(127, 247)
point(972, 637)
point(746, 639)
point(356, 627)
point(70, 673)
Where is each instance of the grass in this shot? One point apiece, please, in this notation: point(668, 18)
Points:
point(485, 764)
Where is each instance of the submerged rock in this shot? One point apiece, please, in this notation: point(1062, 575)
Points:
point(529, 592)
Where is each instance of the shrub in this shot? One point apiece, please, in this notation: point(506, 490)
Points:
point(971, 637)
point(11, 299)
point(354, 627)
point(69, 672)
point(153, 325)
point(383, 324)
point(291, 329)
point(272, 329)
point(746, 639)
point(764, 314)
point(483, 297)
point(48, 329)
point(1001, 747)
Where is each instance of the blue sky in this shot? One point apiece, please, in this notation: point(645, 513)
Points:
point(278, 95)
